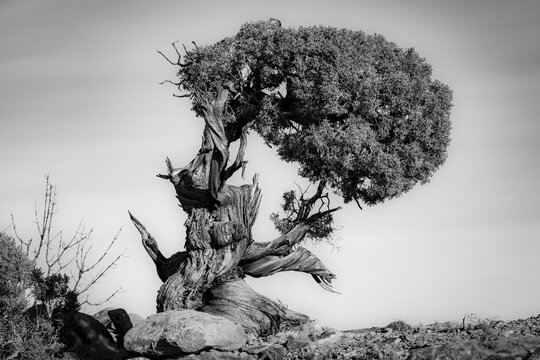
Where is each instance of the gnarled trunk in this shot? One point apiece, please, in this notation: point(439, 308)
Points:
point(219, 248)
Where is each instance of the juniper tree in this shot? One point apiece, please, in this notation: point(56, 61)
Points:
point(363, 119)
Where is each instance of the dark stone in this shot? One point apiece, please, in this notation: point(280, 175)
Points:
point(89, 339)
point(122, 324)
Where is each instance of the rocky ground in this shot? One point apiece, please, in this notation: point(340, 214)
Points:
point(517, 339)
point(472, 338)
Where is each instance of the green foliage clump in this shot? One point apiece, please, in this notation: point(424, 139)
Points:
point(319, 230)
point(15, 276)
point(351, 109)
point(30, 333)
point(53, 290)
point(20, 336)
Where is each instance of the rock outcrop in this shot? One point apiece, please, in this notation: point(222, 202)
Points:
point(179, 332)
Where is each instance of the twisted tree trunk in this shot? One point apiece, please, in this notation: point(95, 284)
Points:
point(219, 248)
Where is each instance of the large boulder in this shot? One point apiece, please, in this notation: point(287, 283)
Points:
point(179, 332)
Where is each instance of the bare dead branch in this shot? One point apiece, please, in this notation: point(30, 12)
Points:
point(172, 172)
point(320, 215)
point(83, 268)
point(166, 58)
point(307, 205)
point(300, 259)
point(106, 251)
point(99, 275)
point(178, 84)
point(357, 202)
point(239, 162)
point(280, 246)
point(179, 60)
point(64, 248)
point(188, 54)
point(324, 283)
point(176, 49)
point(44, 227)
point(100, 302)
point(58, 255)
point(256, 196)
point(26, 244)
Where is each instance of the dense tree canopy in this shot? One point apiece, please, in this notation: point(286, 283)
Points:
point(353, 110)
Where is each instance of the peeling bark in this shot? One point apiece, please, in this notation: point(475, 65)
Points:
point(236, 301)
point(300, 259)
point(215, 243)
point(282, 245)
point(219, 247)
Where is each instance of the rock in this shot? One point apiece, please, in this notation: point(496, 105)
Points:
point(179, 332)
point(296, 344)
point(103, 317)
point(90, 339)
point(275, 352)
point(122, 324)
point(218, 355)
point(472, 321)
point(135, 318)
point(68, 355)
point(309, 331)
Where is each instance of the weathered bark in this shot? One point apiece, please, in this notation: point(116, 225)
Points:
point(165, 267)
point(298, 260)
point(233, 299)
point(219, 247)
point(216, 240)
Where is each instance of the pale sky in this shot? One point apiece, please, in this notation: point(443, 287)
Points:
point(80, 100)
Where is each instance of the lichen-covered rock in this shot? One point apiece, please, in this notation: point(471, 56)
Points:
point(178, 332)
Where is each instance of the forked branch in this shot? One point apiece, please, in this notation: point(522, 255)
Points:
point(82, 285)
point(59, 256)
point(179, 60)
